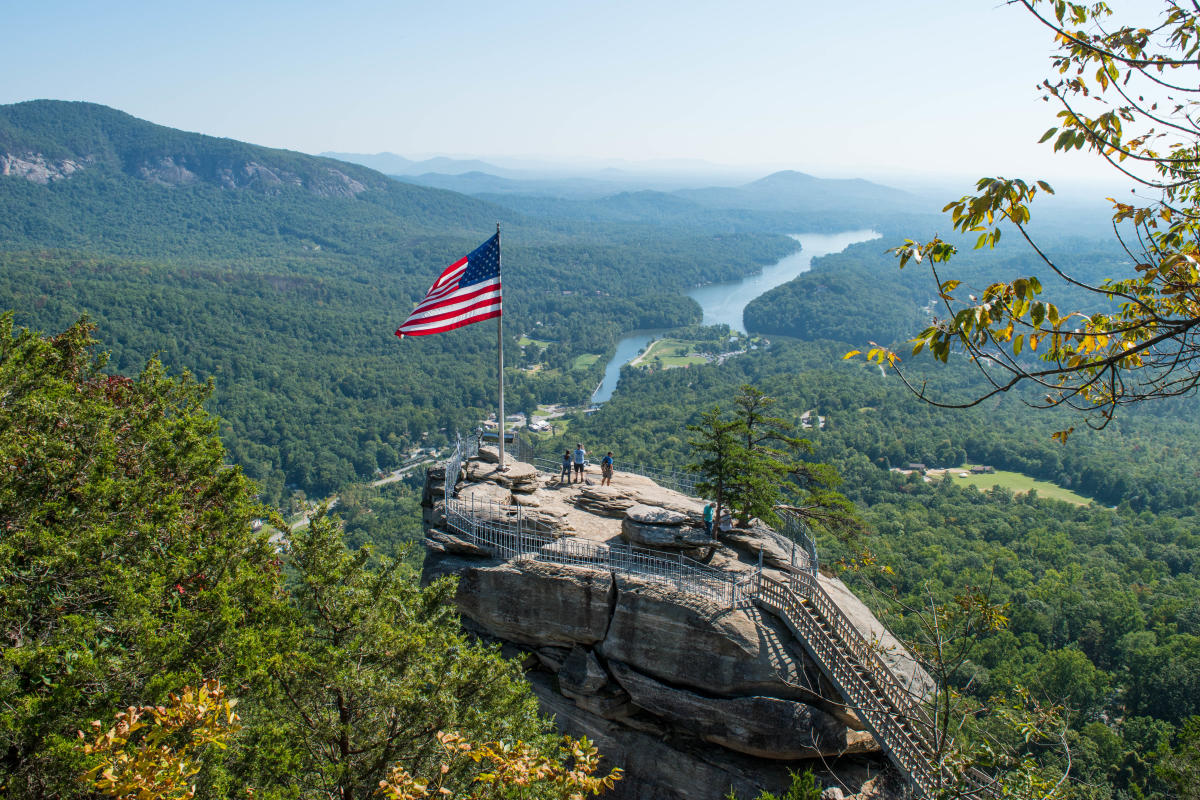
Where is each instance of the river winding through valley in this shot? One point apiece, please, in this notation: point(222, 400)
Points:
point(725, 302)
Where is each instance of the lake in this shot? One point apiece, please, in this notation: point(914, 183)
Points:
point(723, 303)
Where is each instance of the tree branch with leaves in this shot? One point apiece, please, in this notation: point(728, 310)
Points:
point(1129, 96)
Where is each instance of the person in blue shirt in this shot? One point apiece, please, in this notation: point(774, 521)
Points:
point(709, 511)
point(606, 469)
point(580, 461)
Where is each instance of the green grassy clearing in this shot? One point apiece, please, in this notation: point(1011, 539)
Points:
point(585, 361)
point(525, 341)
point(1016, 483)
point(671, 353)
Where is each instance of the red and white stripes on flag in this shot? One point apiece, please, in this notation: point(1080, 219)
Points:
point(467, 291)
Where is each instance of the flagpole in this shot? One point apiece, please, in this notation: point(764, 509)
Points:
point(500, 353)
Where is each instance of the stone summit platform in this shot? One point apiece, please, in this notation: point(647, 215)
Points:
point(690, 696)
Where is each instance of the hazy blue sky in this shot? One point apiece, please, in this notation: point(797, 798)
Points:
point(871, 88)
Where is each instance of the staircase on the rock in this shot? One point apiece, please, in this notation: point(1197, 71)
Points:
point(892, 712)
point(870, 688)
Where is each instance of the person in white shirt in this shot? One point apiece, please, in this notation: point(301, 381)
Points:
point(580, 461)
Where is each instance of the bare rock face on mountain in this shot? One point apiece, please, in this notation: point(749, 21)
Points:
point(775, 553)
point(604, 501)
point(37, 168)
point(664, 529)
point(689, 641)
point(636, 490)
point(688, 692)
point(745, 724)
point(517, 476)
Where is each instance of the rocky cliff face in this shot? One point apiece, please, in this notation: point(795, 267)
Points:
point(181, 170)
point(37, 168)
point(691, 697)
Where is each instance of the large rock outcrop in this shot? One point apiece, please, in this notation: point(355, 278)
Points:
point(690, 696)
point(688, 641)
point(538, 604)
point(745, 724)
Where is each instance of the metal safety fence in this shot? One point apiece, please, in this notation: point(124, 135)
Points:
point(520, 448)
point(463, 449)
point(797, 534)
point(503, 531)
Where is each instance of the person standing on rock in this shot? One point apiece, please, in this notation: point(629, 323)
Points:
point(565, 475)
point(580, 461)
point(709, 511)
point(606, 469)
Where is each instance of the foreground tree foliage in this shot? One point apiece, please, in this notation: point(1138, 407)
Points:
point(129, 567)
point(127, 560)
point(155, 751)
point(1129, 95)
point(377, 666)
point(516, 770)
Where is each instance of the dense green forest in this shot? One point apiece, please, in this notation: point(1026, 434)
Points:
point(130, 567)
point(282, 277)
point(859, 295)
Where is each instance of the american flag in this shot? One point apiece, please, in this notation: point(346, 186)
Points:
point(467, 291)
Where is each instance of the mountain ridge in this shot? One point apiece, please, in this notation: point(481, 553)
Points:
point(50, 140)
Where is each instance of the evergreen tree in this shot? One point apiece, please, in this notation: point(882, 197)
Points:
point(750, 463)
point(765, 467)
point(376, 667)
point(128, 563)
point(716, 450)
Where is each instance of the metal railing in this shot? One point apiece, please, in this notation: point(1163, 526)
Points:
point(520, 448)
point(503, 531)
point(463, 449)
point(865, 687)
point(892, 711)
point(798, 534)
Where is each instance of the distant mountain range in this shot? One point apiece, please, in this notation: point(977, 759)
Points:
point(81, 175)
point(46, 141)
point(392, 164)
point(622, 195)
point(797, 191)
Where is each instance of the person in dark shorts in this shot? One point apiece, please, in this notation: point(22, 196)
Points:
point(580, 461)
point(709, 510)
point(565, 475)
point(606, 469)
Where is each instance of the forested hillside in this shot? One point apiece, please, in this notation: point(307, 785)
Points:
point(282, 276)
point(1102, 598)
